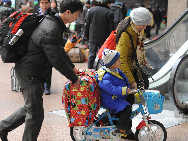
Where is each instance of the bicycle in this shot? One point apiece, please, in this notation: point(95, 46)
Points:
point(147, 129)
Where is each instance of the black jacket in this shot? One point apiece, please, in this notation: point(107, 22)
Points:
point(99, 24)
point(45, 50)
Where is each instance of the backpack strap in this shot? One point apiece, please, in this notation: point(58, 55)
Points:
point(134, 50)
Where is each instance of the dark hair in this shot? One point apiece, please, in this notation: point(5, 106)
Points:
point(9, 3)
point(94, 3)
point(72, 5)
point(106, 2)
point(88, 2)
point(40, 0)
point(122, 27)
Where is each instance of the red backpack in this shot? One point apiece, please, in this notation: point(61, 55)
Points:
point(82, 105)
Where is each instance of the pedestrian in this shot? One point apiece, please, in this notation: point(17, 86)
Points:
point(45, 9)
point(6, 10)
point(129, 10)
point(115, 91)
point(99, 25)
point(116, 8)
point(44, 51)
point(149, 26)
point(27, 8)
point(124, 10)
point(158, 19)
point(54, 6)
point(130, 45)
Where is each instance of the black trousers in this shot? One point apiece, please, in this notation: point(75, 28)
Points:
point(32, 113)
point(47, 83)
point(124, 122)
point(93, 49)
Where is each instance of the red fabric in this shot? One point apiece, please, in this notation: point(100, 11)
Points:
point(81, 106)
point(110, 43)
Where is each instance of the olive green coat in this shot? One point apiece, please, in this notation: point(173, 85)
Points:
point(124, 47)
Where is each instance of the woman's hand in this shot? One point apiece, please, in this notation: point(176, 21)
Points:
point(134, 85)
point(145, 63)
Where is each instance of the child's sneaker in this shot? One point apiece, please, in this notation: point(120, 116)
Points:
point(130, 136)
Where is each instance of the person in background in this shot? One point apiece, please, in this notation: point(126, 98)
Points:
point(6, 10)
point(37, 7)
point(44, 51)
point(54, 6)
point(99, 25)
point(115, 90)
point(124, 10)
point(149, 26)
point(158, 19)
point(164, 14)
point(27, 8)
point(45, 9)
point(129, 10)
point(1, 3)
point(20, 6)
point(117, 13)
point(85, 9)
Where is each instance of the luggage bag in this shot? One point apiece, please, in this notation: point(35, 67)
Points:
point(14, 81)
point(82, 105)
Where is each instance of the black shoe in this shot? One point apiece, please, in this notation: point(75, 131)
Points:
point(3, 136)
point(130, 136)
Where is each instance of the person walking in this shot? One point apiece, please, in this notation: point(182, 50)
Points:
point(45, 9)
point(158, 19)
point(99, 25)
point(54, 6)
point(117, 13)
point(44, 51)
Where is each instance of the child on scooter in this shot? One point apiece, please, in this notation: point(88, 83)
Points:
point(115, 91)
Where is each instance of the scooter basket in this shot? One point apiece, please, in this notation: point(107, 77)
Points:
point(154, 101)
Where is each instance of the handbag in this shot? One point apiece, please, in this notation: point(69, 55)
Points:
point(141, 78)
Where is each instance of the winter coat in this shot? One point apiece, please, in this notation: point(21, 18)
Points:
point(117, 13)
point(99, 24)
point(45, 50)
point(124, 47)
point(113, 87)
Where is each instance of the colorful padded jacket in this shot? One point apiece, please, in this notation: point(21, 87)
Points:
point(113, 87)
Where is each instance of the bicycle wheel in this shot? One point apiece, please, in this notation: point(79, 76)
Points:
point(154, 132)
point(76, 133)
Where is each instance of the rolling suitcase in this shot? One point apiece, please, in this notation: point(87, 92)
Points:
point(14, 81)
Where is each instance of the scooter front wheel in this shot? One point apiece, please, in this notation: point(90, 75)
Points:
point(154, 132)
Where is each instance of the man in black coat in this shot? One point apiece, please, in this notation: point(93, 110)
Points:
point(158, 19)
point(44, 51)
point(99, 25)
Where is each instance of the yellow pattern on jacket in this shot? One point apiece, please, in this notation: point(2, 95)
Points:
point(124, 47)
